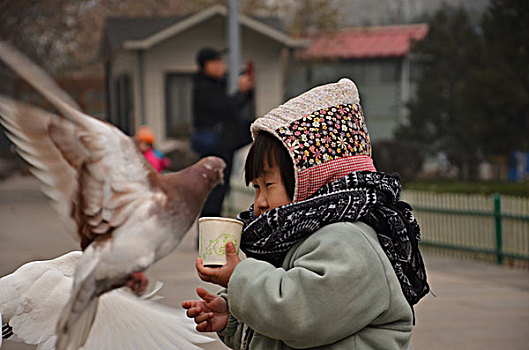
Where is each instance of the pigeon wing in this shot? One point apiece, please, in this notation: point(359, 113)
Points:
point(122, 321)
point(91, 170)
point(35, 75)
point(40, 306)
point(27, 127)
point(38, 291)
point(112, 177)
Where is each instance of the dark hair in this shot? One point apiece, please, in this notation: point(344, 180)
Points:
point(267, 145)
point(207, 54)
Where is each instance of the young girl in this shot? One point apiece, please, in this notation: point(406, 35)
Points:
point(333, 260)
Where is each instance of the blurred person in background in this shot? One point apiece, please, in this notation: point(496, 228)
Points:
point(144, 138)
point(220, 126)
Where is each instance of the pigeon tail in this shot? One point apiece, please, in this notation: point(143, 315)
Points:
point(79, 313)
point(143, 323)
point(73, 335)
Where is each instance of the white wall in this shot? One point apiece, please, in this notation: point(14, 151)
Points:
point(177, 54)
point(267, 57)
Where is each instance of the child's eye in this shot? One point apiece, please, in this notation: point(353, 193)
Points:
point(269, 184)
point(256, 186)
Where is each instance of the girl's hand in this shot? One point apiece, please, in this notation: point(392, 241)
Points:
point(219, 275)
point(211, 313)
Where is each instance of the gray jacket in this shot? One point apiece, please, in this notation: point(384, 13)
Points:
point(335, 290)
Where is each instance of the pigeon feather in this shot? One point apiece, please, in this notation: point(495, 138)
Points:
point(127, 216)
point(31, 299)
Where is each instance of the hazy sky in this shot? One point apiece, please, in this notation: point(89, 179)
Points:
point(361, 12)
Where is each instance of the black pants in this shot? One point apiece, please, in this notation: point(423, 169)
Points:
point(213, 205)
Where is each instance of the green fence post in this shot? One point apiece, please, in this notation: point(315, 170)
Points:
point(499, 233)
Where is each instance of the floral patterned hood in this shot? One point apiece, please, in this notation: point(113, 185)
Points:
point(324, 132)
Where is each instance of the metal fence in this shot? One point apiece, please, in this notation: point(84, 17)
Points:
point(495, 226)
point(489, 227)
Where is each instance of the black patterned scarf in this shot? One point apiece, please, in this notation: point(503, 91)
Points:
point(369, 197)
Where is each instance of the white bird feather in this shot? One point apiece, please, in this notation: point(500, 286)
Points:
point(32, 297)
point(126, 216)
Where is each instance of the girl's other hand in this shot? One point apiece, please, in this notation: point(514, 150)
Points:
point(210, 314)
point(219, 275)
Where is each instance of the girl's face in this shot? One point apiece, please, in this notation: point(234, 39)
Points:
point(270, 191)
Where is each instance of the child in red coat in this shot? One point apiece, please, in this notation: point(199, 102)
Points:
point(145, 140)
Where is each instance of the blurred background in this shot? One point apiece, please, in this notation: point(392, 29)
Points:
point(445, 91)
point(444, 86)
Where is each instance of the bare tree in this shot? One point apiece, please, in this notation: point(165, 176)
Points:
point(63, 35)
point(305, 16)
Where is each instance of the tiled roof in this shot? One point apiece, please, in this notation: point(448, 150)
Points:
point(366, 42)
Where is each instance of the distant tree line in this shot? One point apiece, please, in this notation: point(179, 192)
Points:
point(472, 97)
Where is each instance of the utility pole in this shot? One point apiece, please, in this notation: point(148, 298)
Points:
point(375, 16)
point(234, 45)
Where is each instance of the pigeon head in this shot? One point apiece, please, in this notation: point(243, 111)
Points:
point(192, 184)
point(212, 169)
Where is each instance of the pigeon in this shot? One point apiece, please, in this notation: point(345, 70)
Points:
point(31, 299)
point(126, 216)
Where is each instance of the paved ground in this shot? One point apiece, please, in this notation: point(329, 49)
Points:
point(477, 305)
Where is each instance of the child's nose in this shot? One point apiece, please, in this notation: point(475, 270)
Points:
point(262, 203)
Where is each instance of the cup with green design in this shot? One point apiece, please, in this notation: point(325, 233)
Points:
point(213, 234)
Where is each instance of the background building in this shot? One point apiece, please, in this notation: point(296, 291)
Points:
point(376, 58)
point(149, 63)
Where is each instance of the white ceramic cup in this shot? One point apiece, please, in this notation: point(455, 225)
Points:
point(213, 234)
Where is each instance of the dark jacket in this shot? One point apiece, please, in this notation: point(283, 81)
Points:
point(214, 109)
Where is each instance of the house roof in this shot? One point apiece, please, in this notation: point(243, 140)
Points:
point(143, 33)
point(121, 29)
point(366, 42)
